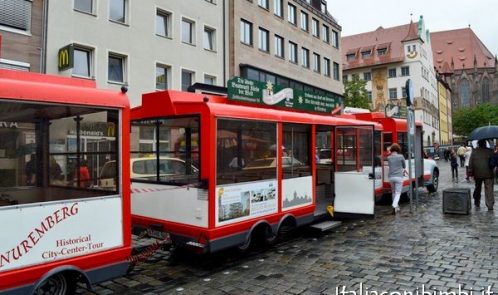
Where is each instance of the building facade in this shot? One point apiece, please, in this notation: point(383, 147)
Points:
point(22, 35)
point(144, 45)
point(290, 43)
point(386, 58)
point(444, 98)
point(469, 68)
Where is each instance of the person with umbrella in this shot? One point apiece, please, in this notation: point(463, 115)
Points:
point(479, 164)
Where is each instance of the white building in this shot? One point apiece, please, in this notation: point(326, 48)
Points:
point(144, 45)
point(386, 58)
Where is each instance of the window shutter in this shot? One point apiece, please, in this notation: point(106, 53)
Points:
point(15, 14)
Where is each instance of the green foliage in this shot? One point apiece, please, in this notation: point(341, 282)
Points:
point(355, 93)
point(467, 119)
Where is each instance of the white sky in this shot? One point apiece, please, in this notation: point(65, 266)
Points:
point(359, 16)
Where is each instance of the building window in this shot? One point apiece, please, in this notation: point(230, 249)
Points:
point(163, 23)
point(392, 73)
point(187, 79)
point(405, 71)
point(278, 8)
point(485, 90)
point(209, 38)
point(403, 92)
point(292, 52)
point(116, 68)
point(16, 14)
point(367, 76)
point(335, 39)
point(117, 11)
point(369, 95)
point(245, 32)
point(188, 29)
point(304, 21)
point(210, 80)
point(464, 93)
point(263, 3)
point(350, 57)
point(393, 93)
point(291, 14)
point(366, 54)
point(381, 51)
point(82, 62)
point(336, 71)
point(325, 34)
point(84, 6)
point(315, 28)
point(279, 46)
point(316, 62)
point(306, 58)
point(162, 76)
point(344, 78)
point(326, 67)
point(264, 40)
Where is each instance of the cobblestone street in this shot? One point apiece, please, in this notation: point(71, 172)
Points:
point(407, 252)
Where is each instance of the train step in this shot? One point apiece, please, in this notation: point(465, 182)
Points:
point(326, 225)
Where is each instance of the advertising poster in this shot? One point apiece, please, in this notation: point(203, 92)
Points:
point(297, 192)
point(238, 202)
point(47, 233)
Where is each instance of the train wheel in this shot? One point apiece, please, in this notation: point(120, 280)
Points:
point(57, 284)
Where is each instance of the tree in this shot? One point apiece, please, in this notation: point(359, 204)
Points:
point(355, 93)
point(467, 119)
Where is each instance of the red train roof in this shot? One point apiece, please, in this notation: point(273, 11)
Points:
point(48, 88)
point(168, 103)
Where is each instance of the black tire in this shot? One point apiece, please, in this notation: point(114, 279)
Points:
point(246, 245)
point(57, 284)
point(385, 199)
point(432, 188)
point(270, 237)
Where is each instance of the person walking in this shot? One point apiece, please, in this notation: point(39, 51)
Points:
point(454, 166)
point(397, 169)
point(467, 154)
point(479, 165)
point(461, 152)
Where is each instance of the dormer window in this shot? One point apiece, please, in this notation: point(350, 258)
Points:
point(381, 51)
point(350, 57)
point(366, 54)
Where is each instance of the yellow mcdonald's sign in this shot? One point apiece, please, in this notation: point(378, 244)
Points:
point(66, 57)
point(111, 130)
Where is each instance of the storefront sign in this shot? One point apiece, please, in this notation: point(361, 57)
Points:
point(246, 90)
point(66, 57)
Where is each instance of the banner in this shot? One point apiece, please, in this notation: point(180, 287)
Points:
point(246, 90)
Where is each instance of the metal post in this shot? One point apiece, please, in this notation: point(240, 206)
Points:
point(410, 118)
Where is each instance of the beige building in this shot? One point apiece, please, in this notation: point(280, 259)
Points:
point(444, 97)
point(290, 43)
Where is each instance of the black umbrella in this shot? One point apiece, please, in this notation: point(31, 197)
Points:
point(485, 132)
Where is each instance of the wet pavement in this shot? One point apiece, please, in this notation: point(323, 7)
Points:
point(420, 252)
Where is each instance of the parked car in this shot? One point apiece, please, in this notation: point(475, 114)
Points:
point(144, 169)
point(272, 162)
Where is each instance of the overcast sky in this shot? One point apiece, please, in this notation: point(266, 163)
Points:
point(357, 16)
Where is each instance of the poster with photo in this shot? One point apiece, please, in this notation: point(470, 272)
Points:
point(238, 202)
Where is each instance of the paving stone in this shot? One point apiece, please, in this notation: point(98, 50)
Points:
point(383, 253)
